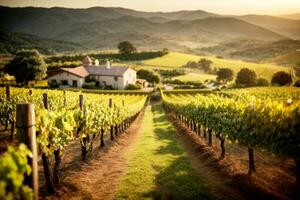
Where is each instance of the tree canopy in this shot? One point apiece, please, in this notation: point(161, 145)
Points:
point(28, 65)
point(281, 78)
point(225, 75)
point(246, 77)
point(126, 48)
point(205, 64)
point(150, 76)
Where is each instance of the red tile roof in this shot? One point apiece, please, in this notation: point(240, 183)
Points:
point(77, 71)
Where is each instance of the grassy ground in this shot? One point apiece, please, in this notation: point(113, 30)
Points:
point(196, 77)
point(176, 60)
point(158, 167)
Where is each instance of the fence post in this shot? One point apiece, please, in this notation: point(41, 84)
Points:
point(65, 98)
point(8, 93)
point(26, 132)
point(45, 101)
point(111, 128)
point(81, 101)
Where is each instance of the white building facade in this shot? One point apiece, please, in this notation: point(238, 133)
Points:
point(117, 77)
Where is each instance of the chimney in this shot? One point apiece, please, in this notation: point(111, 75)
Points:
point(108, 64)
point(96, 62)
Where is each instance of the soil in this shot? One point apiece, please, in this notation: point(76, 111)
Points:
point(99, 177)
point(274, 178)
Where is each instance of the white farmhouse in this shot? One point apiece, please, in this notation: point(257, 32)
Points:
point(117, 77)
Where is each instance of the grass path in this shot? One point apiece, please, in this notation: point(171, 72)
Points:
point(158, 166)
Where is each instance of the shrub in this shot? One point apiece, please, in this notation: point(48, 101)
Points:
point(262, 82)
point(205, 65)
point(297, 83)
point(246, 77)
point(54, 84)
point(133, 87)
point(225, 75)
point(281, 78)
point(150, 76)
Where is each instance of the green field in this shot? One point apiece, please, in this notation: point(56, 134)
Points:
point(195, 77)
point(176, 60)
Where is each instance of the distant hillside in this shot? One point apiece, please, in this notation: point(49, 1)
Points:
point(291, 16)
point(292, 58)
point(253, 50)
point(287, 27)
point(100, 27)
point(12, 42)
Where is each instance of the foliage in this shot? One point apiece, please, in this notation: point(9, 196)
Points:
point(133, 87)
point(297, 83)
point(28, 65)
point(170, 73)
point(253, 117)
point(246, 77)
point(262, 82)
point(281, 78)
point(150, 76)
point(126, 48)
point(224, 75)
point(13, 167)
point(11, 43)
point(205, 65)
point(69, 60)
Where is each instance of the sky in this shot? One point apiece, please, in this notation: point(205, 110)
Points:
point(273, 7)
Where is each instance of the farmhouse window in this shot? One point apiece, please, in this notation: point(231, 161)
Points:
point(116, 78)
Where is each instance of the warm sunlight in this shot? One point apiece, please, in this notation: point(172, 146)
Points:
point(150, 99)
point(274, 7)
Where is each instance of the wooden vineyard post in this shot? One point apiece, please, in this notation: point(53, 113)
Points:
point(30, 92)
point(26, 131)
point(84, 141)
point(251, 168)
point(45, 100)
point(65, 98)
point(111, 128)
point(46, 166)
point(7, 89)
point(81, 102)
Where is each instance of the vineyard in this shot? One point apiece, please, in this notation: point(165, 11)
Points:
point(256, 118)
point(61, 117)
point(160, 143)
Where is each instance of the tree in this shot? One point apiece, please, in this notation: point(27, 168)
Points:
point(297, 83)
point(225, 75)
point(262, 82)
point(150, 76)
point(205, 65)
point(28, 65)
point(281, 78)
point(246, 77)
point(191, 64)
point(126, 48)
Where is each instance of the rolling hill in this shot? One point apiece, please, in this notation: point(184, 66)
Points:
point(10, 43)
point(101, 27)
point(287, 27)
point(253, 50)
point(176, 60)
